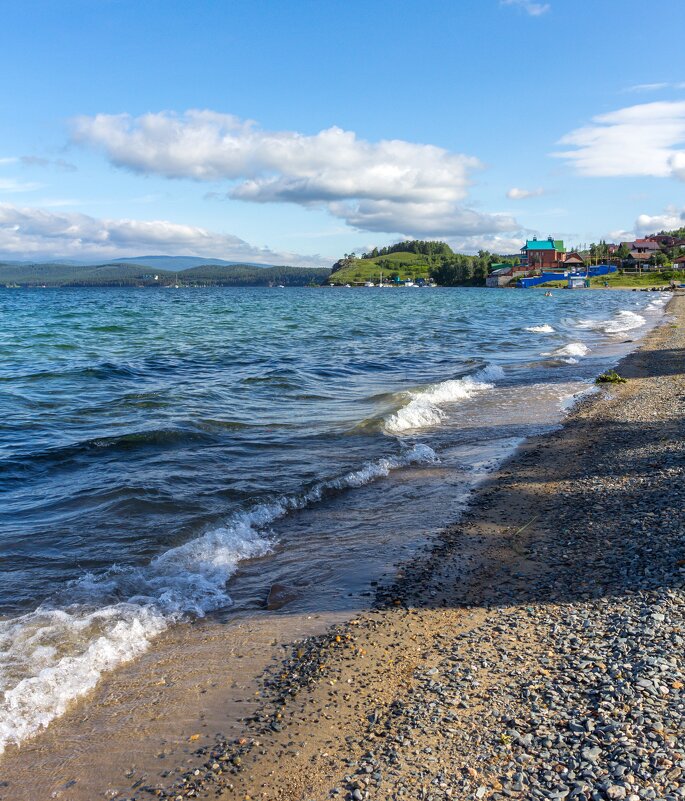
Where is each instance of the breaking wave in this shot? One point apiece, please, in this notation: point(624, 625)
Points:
point(540, 329)
point(424, 408)
point(623, 321)
point(570, 353)
point(52, 656)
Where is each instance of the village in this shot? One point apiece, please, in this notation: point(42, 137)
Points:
point(543, 261)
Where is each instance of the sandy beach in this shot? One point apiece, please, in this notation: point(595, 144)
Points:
point(534, 650)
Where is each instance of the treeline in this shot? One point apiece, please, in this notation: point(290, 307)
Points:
point(418, 246)
point(461, 270)
point(242, 275)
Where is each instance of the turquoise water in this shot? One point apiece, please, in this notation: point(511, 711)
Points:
point(166, 453)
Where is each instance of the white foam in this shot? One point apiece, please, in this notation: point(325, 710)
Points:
point(624, 320)
point(541, 329)
point(658, 303)
point(572, 349)
point(424, 408)
point(569, 352)
point(52, 656)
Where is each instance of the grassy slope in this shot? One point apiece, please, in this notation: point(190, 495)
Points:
point(617, 281)
point(408, 265)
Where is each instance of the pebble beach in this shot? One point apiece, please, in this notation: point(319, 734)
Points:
point(536, 651)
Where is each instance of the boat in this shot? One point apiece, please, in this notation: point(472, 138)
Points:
point(369, 283)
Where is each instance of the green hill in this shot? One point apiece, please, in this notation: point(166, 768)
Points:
point(403, 264)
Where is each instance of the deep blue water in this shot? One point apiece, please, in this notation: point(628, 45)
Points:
point(152, 441)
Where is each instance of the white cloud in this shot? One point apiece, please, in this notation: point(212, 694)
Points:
point(668, 220)
point(36, 233)
point(534, 9)
point(39, 161)
point(521, 194)
point(420, 219)
point(655, 87)
point(645, 139)
point(496, 243)
point(390, 185)
point(12, 185)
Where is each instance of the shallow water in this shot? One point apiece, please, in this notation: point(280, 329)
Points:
point(168, 454)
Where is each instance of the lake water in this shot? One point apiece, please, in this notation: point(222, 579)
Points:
point(174, 453)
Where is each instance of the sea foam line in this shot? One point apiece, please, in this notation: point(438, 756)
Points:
point(545, 328)
point(51, 656)
point(424, 408)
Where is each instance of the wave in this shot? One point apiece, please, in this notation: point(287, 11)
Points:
point(52, 656)
point(425, 405)
point(658, 303)
point(540, 329)
point(569, 352)
point(18, 465)
point(624, 320)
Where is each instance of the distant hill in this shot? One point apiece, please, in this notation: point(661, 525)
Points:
point(182, 262)
point(133, 274)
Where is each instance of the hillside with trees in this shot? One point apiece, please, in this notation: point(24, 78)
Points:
point(136, 275)
point(413, 260)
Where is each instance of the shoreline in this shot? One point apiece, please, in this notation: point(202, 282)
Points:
point(400, 622)
point(490, 669)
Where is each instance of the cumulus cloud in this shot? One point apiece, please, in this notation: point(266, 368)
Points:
point(390, 185)
point(495, 243)
point(521, 194)
point(646, 139)
point(669, 219)
point(36, 233)
point(534, 9)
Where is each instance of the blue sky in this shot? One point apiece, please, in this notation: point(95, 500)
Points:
point(296, 131)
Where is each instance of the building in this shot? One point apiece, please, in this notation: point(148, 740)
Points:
point(663, 240)
point(543, 254)
point(503, 274)
point(645, 246)
point(639, 257)
point(574, 261)
point(679, 263)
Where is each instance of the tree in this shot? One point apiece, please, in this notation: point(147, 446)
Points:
point(623, 251)
point(658, 259)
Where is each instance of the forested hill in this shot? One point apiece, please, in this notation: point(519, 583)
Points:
point(414, 259)
point(120, 274)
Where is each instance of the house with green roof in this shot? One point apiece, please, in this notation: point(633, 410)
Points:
point(543, 254)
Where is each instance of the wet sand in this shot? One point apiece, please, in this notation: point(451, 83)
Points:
point(300, 722)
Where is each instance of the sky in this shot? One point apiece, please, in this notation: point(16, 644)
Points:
point(294, 132)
